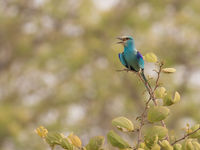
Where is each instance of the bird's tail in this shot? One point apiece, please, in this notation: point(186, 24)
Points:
point(147, 85)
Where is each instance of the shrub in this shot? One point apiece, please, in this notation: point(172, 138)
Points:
point(156, 137)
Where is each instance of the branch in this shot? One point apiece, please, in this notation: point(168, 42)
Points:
point(152, 97)
point(156, 86)
point(142, 121)
point(185, 136)
point(158, 76)
point(127, 70)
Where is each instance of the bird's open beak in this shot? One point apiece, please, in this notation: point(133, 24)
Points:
point(121, 40)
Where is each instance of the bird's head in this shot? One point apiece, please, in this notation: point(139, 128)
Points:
point(126, 41)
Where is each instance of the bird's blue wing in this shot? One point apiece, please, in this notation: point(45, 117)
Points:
point(140, 60)
point(122, 59)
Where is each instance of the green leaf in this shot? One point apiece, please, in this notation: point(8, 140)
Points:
point(160, 131)
point(150, 142)
point(116, 140)
point(157, 113)
point(53, 138)
point(178, 147)
point(160, 92)
point(123, 124)
point(196, 145)
point(165, 145)
point(196, 134)
point(150, 57)
point(177, 97)
point(95, 143)
point(188, 145)
point(155, 147)
point(168, 100)
point(168, 70)
point(66, 144)
point(153, 134)
point(142, 145)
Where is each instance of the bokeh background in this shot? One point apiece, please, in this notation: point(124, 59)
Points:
point(58, 62)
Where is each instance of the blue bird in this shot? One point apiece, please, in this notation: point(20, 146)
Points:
point(130, 57)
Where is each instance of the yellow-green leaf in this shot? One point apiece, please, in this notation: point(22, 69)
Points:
point(75, 140)
point(165, 145)
point(153, 134)
point(196, 145)
point(95, 143)
point(123, 124)
point(188, 145)
point(197, 133)
point(116, 140)
point(155, 147)
point(167, 100)
point(160, 131)
point(168, 70)
point(178, 147)
point(53, 138)
point(177, 98)
point(150, 57)
point(160, 92)
point(151, 141)
point(142, 145)
point(66, 144)
point(157, 113)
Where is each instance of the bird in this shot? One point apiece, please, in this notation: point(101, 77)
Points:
point(131, 57)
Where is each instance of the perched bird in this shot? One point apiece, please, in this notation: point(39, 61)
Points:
point(130, 57)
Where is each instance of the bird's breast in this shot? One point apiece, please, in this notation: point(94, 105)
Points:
point(130, 55)
point(131, 59)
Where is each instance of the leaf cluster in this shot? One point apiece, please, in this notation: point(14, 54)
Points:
point(154, 137)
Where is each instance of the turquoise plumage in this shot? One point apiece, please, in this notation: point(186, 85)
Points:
point(130, 57)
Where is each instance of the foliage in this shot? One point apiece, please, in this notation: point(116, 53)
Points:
point(58, 66)
point(156, 137)
point(123, 124)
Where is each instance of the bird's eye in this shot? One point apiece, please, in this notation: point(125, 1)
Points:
point(127, 38)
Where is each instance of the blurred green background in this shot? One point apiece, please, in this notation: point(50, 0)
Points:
point(58, 65)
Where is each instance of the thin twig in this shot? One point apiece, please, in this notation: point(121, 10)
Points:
point(158, 76)
point(146, 84)
point(127, 70)
point(185, 136)
point(145, 110)
point(142, 122)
